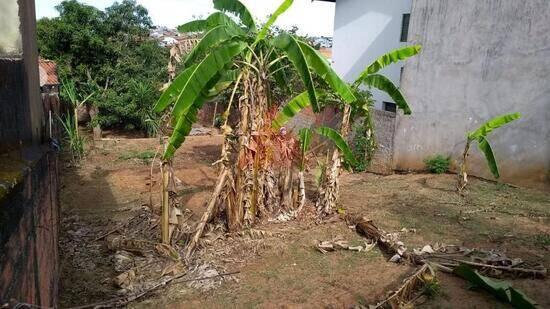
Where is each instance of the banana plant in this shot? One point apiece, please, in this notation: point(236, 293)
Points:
point(480, 136)
point(358, 108)
point(304, 136)
point(231, 40)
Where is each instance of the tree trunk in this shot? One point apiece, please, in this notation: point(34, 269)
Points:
point(462, 173)
point(165, 204)
point(330, 186)
point(302, 192)
point(252, 107)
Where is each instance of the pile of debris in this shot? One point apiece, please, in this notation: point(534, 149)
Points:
point(473, 265)
point(135, 263)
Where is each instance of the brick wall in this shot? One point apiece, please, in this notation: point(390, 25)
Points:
point(28, 230)
point(384, 126)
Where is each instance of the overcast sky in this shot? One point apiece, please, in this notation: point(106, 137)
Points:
point(313, 18)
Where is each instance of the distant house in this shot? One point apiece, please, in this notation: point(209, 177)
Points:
point(49, 82)
point(479, 59)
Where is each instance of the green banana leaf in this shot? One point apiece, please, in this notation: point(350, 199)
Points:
point(340, 143)
point(297, 57)
point(387, 59)
point(280, 10)
point(291, 109)
point(304, 135)
point(279, 74)
point(484, 146)
point(320, 65)
point(227, 78)
point(501, 289)
point(184, 123)
point(182, 129)
point(237, 8)
point(215, 62)
point(193, 26)
point(220, 19)
point(172, 92)
point(383, 83)
point(492, 124)
point(212, 38)
point(305, 139)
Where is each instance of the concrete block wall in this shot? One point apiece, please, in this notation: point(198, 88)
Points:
point(480, 59)
point(384, 126)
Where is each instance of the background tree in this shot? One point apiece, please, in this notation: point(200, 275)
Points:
point(107, 52)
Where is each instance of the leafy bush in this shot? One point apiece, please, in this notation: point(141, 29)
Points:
point(108, 53)
point(74, 141)
point(438, 164)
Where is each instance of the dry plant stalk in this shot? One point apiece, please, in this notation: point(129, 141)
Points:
point(390, 244)
point(462, 175)
point(207, 214)
point(405, 296)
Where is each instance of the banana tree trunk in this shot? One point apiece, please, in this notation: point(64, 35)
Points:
point(330, 186)
point(462, 173)
point(249, 172)
point(301, 192)
point(165, 203)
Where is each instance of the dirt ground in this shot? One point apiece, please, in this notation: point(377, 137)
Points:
point(278, 264)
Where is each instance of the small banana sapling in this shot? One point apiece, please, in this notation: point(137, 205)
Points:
point(479, 136)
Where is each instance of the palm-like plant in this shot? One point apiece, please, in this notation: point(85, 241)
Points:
point(480, 136)
point(70, 124)
point(359, 108)
point(239, 53)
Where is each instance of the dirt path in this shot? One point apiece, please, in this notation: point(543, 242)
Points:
point(278, 264)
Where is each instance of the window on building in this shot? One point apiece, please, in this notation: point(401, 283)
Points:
point(405, 27)
point(390, 107)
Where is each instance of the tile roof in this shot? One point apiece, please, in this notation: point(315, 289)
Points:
point(48, 72)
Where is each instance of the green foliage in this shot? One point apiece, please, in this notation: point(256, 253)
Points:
point(493, 124)
point(107, 53)
point(363, 145)
point(339, 142)
point(74, 141)
point(389, 58)
point(295, 54)
point(238, 9)
point(438, 163)
point(304, 135)
point(265, 29)
point(144, 156)
point(432, 289)
point(500, 289)
point(480, 135)
point(369, 77)
point(291, 109)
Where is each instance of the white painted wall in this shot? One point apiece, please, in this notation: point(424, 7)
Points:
point(363, 31)
point(10, 35)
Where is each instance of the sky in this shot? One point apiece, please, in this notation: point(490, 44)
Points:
point(314, 18)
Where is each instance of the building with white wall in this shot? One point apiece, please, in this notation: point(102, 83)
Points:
point(363, 31)
point(479, 59)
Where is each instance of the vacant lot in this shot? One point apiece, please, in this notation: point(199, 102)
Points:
point(278, 263)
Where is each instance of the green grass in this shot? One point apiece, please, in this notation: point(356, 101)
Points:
point(145, 156)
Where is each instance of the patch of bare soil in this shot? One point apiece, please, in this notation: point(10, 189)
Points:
point(278, 264)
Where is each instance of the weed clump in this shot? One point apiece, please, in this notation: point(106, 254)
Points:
point(438, 164)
